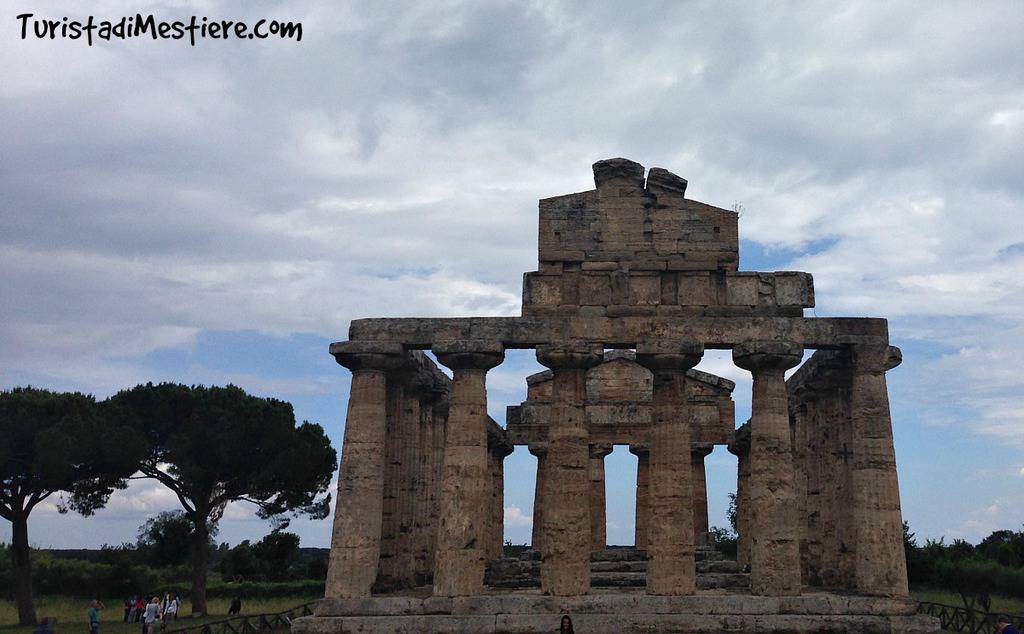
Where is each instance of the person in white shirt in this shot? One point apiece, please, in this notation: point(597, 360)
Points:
point(152, 616)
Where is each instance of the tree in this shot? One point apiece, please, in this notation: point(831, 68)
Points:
point(165, 540)
point(215, 445)
point(55, 443)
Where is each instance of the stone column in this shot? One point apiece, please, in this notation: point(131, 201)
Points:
point(598, 521)
point(461, 534)
point(439, 425)
point(671, 569)
point(643, 509)
point(537, 535)
point(496, 513)
point(355, 541)
point(700, 492)
point(880, 565)
point(775, 553)
point(740, 447)
point(408, 482)
point(426, 485)
point(565, 564)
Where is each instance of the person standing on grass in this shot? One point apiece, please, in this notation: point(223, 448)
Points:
point(94, 616)
point(171, 611)
point(151, 616)
point(140, 608)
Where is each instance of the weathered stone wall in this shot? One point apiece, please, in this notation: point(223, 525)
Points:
point(618, 408)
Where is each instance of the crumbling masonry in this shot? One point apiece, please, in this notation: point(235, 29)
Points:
point(634, 282)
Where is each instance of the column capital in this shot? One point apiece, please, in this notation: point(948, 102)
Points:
point(600, 450)
point(466, 354)
point(538, 449)
point(757, 356)
point(570, 356)
point(875, 359)
point(669, 356)
point(701, 449)
point(381, 356)
point(639, 449)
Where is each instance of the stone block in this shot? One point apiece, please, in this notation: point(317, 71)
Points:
point(741, 290)
point(644, 289)
point(595, 289)
point(542, 290)
point(794, 289)
point(694, 289)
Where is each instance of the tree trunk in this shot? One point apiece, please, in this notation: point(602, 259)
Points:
point(199, 545)
point(22, 568)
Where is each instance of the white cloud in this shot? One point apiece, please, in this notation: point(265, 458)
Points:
point(514, 516)
point(390, 164)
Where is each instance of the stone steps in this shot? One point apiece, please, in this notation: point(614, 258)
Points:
point(620, 567)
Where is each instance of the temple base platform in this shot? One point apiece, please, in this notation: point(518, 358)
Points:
point(614, 612)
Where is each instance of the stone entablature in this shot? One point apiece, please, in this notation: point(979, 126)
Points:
point(600, 289)
point(619, 401)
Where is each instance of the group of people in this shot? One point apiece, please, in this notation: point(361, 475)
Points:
point(136, 610)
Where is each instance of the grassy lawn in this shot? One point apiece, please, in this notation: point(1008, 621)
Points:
point(1000, 604)
point(70, 613)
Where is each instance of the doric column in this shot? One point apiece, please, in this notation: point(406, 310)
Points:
point(459, 563)
point(355, 541)
point(880, 565)
point(426, 511)
point(440, 427)
point(598, 521)
point(643, 509)
point(408, 481)
point(565, 564)
point(700, 491)
point(540, 450)
point(496, 455)
point(671, 569)
point(740, 447)
point(775, 553)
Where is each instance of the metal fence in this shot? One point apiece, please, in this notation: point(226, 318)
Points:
point(248, 623)
point(961, 619)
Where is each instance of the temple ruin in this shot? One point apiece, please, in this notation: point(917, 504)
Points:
point(634, 282)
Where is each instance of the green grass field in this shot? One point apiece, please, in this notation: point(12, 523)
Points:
point(1000, 604)
point(70, 614)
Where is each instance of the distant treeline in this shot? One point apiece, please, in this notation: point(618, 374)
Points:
point(274, 566)
point(993, 566)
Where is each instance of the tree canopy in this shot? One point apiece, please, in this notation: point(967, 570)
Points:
point(215, 445)
point(56, 443)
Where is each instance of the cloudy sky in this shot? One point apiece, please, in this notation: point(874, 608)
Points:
point(219, 213)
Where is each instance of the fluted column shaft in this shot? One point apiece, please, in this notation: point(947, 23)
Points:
point(775, 552)
point(740, 447)
point(427, 483)
point(598, 516)
point(460, 557)
point(700, 491)
point(643, 508)
point(880, 566)
point(537, 532)
point(496, 510)
point(671, 569)
point(565, 564)
point(355, 540)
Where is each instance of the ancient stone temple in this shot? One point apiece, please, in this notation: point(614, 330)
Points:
point(634, 282)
